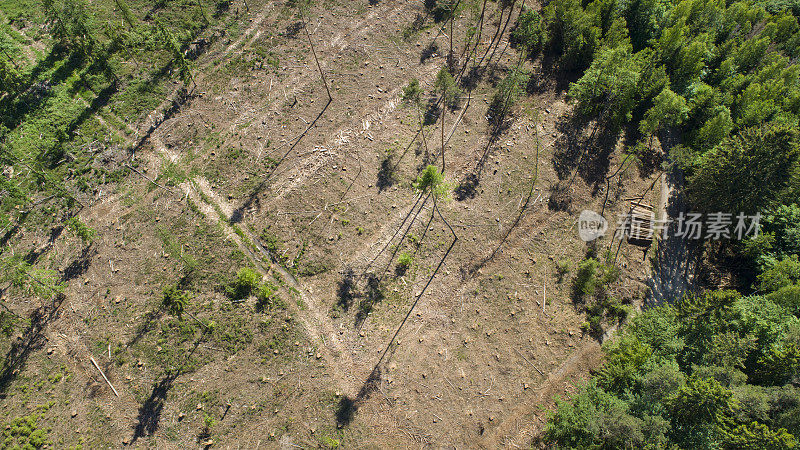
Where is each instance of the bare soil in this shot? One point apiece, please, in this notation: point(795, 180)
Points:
point(254, 157)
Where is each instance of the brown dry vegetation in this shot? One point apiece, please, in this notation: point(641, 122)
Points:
point(478, 362)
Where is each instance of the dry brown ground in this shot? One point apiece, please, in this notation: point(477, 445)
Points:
point(479, 361)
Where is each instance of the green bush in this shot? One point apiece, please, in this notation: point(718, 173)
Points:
point(413, 92)
point(175, 300)
point(266, 299)
point(586, 281)
point(81, 230)
point(562, 269)
point(24, 433)
point(404, 262)
point(247, 281)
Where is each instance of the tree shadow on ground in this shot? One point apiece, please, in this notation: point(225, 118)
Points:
point(32, 256)
point(182, 96)
point(149, 415)
point(471, 78)
point(576, 154)
point(386, 174)
point(148, 324)
point(428, 52)
point(432, 112)
point(12, 230)
point(150, 411)
point(468, 186)
point(30, 340)
point(293, 29)
point(101, 100)
point(348, 406)
point(408, 215)
point(551, 76)
point(560, 198)
point(37, 93)
point(79, 265)
point(238, 214)
point(346, 289)
point(675, 257)
point(373, 294)
point(513, 226)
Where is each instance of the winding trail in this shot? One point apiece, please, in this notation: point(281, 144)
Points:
point(517, 429)
point(312, 316)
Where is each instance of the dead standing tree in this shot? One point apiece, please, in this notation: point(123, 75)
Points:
point(469, 47)
point(412, 94)
point(430, 182)
point(449, 94)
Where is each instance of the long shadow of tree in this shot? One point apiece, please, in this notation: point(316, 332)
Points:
point(348, 407)
point(468, 186)
point(675, 256)
point(101, 100)
point(14, 229)
point(182, 96)
point(148, 324)
point(387, 175)
point(15, 108)
point(576, 154)
point(551, 76)
point(149, 415)
point(428, 52)
point(510, 229)
point(150, 411)
point(346, 291)
point(373, 295)
point(79, 265)
point(32, 339)
point(35, 254)
point(238, 213)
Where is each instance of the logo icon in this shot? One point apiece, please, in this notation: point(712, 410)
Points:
point(591, 225)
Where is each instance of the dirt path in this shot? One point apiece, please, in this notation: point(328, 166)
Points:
point(670, 279)
point(517, 429)
point(312, 315)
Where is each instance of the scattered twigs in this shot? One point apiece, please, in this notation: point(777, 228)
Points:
point(149, 179)
point(544, 293)
point(527, 361)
